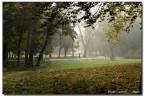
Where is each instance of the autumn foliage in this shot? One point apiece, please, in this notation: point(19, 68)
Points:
point(123, 78)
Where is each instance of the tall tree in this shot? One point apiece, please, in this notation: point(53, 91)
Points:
point(50, 18)
point(54, 18)
point(86, 37)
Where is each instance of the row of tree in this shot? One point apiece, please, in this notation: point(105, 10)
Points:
point(30, 28)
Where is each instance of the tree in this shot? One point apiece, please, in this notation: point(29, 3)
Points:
point(113, 33)
point(17, 28)
point(7, 28)
point(22, 18)
point(52, 18)
point(86, 37)
point(21, 26)
point(66, 42)
point(120, 20)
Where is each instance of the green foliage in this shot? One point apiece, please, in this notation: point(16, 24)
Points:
point(117, 26)
point(17, 21)
point(122, 15)
point(106, 10)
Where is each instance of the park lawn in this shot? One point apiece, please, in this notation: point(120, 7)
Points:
point(90, 63)
point(75, 77)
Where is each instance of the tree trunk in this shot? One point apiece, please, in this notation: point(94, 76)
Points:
point(42, 50)
point(5, 53)
point(59, 52)
point(51, 47)
point(26, 57)
point(50, 56)
point(30, 63)
point(12, 56)
point(72, 51)
point(9, 55)
point(85, 52)
point(46, 41)
point(111, 51)
point(105, 53)
point(65, 52)
point(19, 48)
point(27, 48)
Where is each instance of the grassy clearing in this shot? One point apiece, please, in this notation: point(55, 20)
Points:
point(90, 63)
point(75, 77)
point(72, 64)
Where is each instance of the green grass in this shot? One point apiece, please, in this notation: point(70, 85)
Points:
point(74, 77)
point(72, 64)
point(90, 63)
